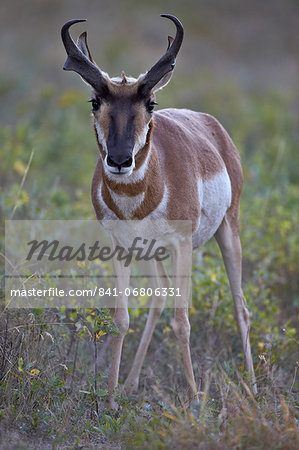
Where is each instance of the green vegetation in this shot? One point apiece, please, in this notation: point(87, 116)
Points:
point(54, 363)
point(237, 63)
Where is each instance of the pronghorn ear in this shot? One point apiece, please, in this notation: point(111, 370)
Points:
point(163, 82)
point(82, 44)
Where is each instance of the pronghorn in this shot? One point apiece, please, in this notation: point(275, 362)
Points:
point(173, 164)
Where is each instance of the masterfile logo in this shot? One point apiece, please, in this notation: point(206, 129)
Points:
point(71, 263)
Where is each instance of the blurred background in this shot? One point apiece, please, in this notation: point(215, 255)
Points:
point(234, 55)
point(251, 45)
point(240, 62)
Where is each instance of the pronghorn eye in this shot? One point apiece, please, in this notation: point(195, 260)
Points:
point(150, 106)
point(95, 104)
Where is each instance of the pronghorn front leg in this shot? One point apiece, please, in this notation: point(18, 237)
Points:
point(159, 279)
point(182, 268)
point(230, 246)
point(121, 320)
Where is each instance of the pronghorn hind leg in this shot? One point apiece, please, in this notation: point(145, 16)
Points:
point(159, 279)
point(230, 246)
point(181, 328)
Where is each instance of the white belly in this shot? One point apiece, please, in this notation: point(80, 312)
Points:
point(215, 199)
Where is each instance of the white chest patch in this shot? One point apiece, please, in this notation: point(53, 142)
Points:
point(127, 205)
point(215, 199)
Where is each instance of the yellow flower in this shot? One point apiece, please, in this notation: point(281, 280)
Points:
point(34, 372)
point(261, 346)
point(81, 264)
point(100, 333)
point(19, 167)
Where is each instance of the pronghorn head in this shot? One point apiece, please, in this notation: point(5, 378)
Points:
point(122, 107)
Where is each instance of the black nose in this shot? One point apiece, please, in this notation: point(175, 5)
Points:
point(119, 162)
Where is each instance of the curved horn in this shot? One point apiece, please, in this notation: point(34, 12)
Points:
point(78, 62)
point(167, 62)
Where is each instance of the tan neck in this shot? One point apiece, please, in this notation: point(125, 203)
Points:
point(150, 187)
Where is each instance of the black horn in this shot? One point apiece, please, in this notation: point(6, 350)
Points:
point(167, 62)
point(78, 62)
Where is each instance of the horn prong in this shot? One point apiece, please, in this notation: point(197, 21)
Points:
point(170, 41)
